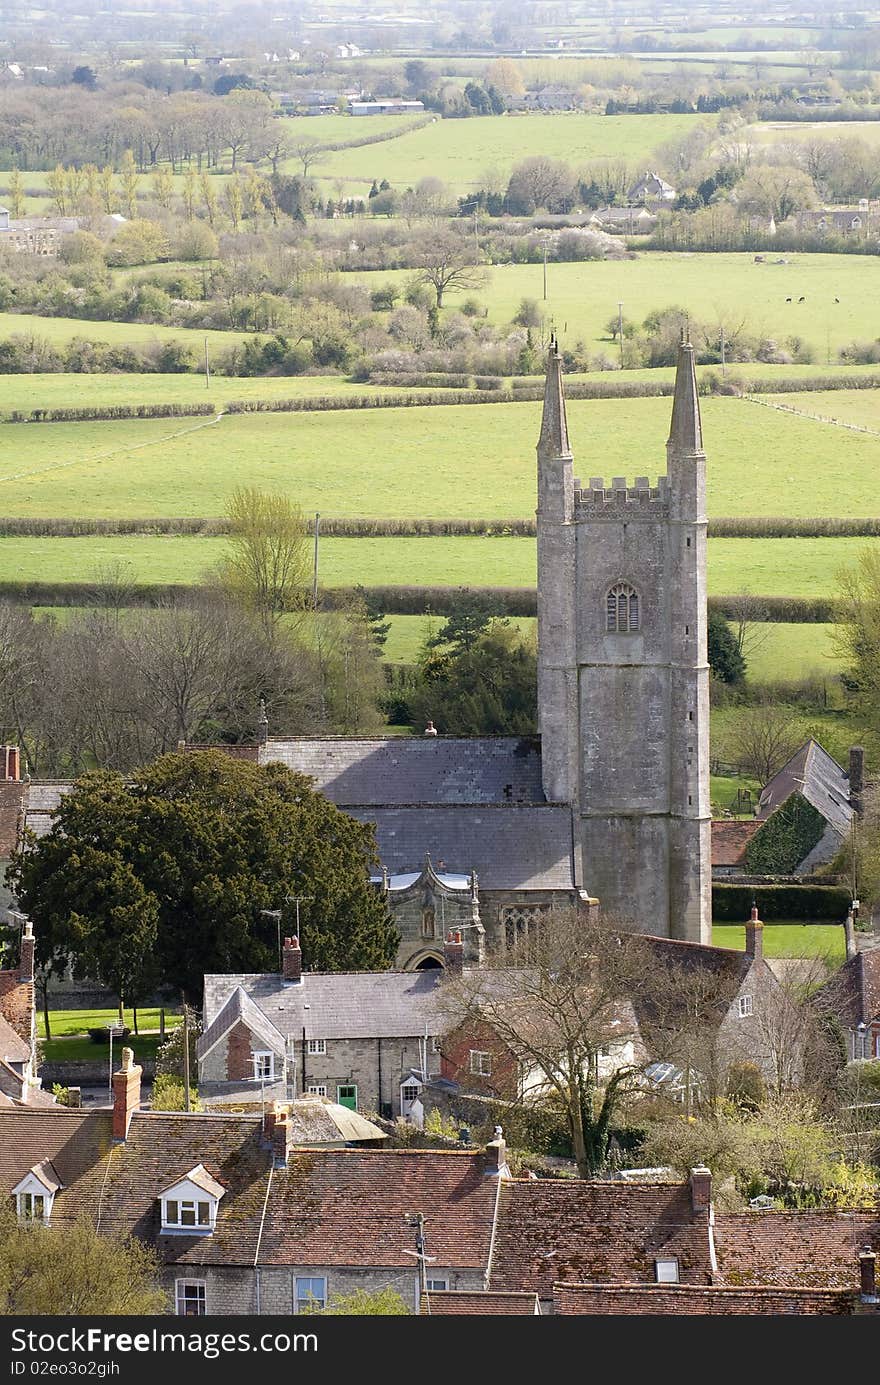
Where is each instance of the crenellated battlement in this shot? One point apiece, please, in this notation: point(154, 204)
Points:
point(638, 500)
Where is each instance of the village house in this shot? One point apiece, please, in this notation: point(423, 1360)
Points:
point(852, 997)
point(19, 1083)
point(651, 188)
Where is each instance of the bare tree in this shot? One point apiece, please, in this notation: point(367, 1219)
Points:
point(308, 150)
point(749, 617)
point(764, 739)
point(445, 259)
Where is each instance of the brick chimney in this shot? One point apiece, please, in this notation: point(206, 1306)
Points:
point(126, 1094)
point(868, 1274)
point(856, 776)
point(26, 955)
point(453, 953)
point(701, 1189)
point(754, 936)
point(291, 960)
point(496, 1156)
point(280, 1137)
point(10, 762)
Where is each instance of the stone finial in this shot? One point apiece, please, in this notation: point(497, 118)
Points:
point(686, 431)
point(553, 440)
point(262, 723)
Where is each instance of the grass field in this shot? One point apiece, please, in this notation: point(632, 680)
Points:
point(59, 330)
point(785, 567)
point(464, 152)
point(788, 940)
point(798, 131)
point(465, 460)
point(66, 1022)
point(75, 1049)
point(728, 288)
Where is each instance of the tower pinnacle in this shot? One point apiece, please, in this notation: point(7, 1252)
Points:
point(553, 441)
point(686, 433)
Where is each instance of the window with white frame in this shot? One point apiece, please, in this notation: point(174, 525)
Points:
point(32, 1207)
point(190, 1205)
point(437, 1285)
point(409, 1092)
point(317, 1089)
point(666, 1271)
point(621, 609)
point(191, 1298)
point(745, 1006)
point(316, 1046)
point(186, 1212)
point(310, 1294)
point(435, 1044)
point(35, 1193)
point(481, 1063)
point(264, 1066)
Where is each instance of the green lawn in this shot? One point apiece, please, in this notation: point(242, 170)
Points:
point(791, 567)
point(458, 459)
point(788, 939)
point(462, 152)
point(69, 1022)
point(724, 796)
point(77, 1049)
point(724, 287)
point(58, 330)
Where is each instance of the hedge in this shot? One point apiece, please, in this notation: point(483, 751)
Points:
point(733, 903)
point(108, 412)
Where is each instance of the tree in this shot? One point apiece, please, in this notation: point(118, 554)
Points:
point(307, 149)
point(71, 1270)
point(386, 1303)
point(764, 740)
point(725, 656)
point(212, 841)
point(85, 77)
point(776, 190)
point(16, 194)
point(856, 638)
point(445, 259)
point(540, 182)
point(267, 564)
point(557, 1012)
point(485, 687)
point(504, 74)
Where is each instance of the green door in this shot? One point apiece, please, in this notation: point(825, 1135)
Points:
point(347, 1095)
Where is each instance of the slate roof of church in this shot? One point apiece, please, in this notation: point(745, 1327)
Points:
point(416, 769)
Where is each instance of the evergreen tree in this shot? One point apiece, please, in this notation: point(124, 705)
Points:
point(725, 658)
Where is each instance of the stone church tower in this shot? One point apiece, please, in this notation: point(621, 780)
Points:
point(623, 676)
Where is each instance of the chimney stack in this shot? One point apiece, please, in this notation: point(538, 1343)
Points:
point(453, 953)
point(280, 1138)
point(868, 1274)
point(10, 762)
point(126, 1094)
point(430, 729)
point(262, 724)
point(701, 1189)
point(856, 776)
point(74, 1097)
point(496, 1155)
point(26, 954)
point(291, 960)
point(754, 936)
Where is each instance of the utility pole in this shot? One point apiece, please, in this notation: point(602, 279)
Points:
point(723, 353)
point(315, 567)
point(207, 367)
point(545, 271)
point(417, 1220)
point(186, 1100)
point(620, 331)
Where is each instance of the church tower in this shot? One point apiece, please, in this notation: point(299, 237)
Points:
point(623, 675)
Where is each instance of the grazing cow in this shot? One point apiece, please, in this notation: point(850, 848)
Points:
point(802, 299)
point(788, 300)
point(837, 300)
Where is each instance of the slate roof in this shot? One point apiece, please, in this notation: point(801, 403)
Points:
point(342, 1005)
point(729, 841)
point(510, 848)
point(697, 1299)
point(416, 769)
point(811, 771)
point(853, 992)
point(595, 1231)
point(239, 1006)
point(43, 798)
point(817, 1250)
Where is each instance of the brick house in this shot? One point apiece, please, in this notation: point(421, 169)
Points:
point(242, 1218)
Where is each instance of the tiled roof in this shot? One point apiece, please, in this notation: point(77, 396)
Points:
point(417, 769)
point(596, 1231)
point(75, 1142)
point(729, 841)
point(853, 992)
point(811, 771)
point(696, 1299)
point(816, 1250)
point(13, 1048)
point(472, 1303)
point(341, 1005)
point(347, 1207)
point(512, 848)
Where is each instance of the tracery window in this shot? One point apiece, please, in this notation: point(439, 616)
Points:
point(621, 609)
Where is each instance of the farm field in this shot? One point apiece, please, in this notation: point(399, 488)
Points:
point(785, 567)
point(791, 131)
point(468, 460)
point(461, 152)
point(583, 297)
point(859, 407)
point(57, 330)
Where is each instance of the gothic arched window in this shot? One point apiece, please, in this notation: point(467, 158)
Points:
point(621, 609)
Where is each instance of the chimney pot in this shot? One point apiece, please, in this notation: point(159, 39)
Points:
point(26, 953)
point(701, 1189)
point(496, 1154)
point(291, 960)
point(280, 1135)
point(453, 953)
point(867, 1273)
point(754, 936)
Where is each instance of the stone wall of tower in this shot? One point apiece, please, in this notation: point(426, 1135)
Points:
point(624, 717)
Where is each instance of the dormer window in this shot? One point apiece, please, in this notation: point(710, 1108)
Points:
point(35, 1194)
point(190, 1206)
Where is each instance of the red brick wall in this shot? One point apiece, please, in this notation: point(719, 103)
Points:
point(16, 1003)
point(455, 1061)
point(239, 1062)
